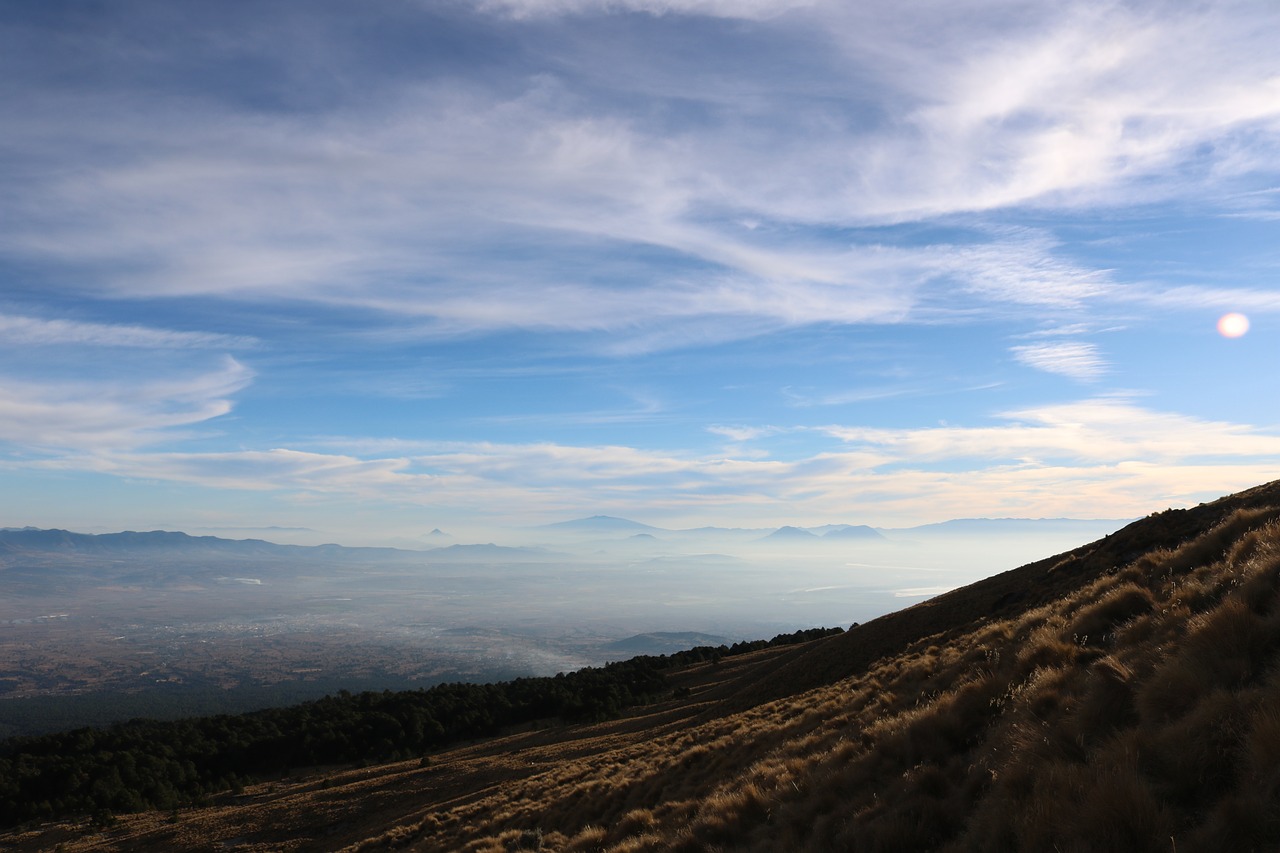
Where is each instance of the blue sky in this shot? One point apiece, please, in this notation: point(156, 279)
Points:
point(376, 268)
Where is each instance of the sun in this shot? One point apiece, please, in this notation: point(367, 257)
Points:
point(1233, 325)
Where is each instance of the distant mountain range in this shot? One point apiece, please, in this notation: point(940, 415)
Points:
point(604, 525)
point(599, 524)
point(487, 552)
point(790, 533)
point(31, 540)
point(801, 534)
point(15, 540)
point(162, 543)
point(853, 531)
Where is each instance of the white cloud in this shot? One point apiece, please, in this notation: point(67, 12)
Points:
point(748, 9)
point(266, 470)
point(1023, 269)
point(1061, 331)
point(1204, 298)
point(1056, 104)
point(1100, 430)
point(17, 330)
point(843, 398)
point(1076, 360)
point(743, 433)
point(1093, 458)
point(112, 414)
point(529, 464)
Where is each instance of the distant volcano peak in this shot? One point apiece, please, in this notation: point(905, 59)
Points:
point(599, 524)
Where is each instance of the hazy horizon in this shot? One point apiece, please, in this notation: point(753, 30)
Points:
point(591, 576)
point(566, 530)
point(154, 622)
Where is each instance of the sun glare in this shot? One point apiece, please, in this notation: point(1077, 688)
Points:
point(1233, 325)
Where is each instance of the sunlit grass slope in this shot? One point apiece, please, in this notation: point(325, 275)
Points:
point(1135, 709)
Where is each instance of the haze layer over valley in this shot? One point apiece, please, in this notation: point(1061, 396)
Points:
point(94, 628)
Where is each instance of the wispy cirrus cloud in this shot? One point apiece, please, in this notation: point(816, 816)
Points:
point(278, 469)
point(1065, 104)
point(18, 330)
point(1091, 458)
point(350, 205)
point(56, 416)
point(1204, 297)
point(1073, 359)
point(745, 9)
point(743, 433)
point(1096, 430)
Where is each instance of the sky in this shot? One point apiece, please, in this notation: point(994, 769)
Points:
point(369, 269)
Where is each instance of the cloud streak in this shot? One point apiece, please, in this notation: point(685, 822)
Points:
point(1075, 360)
point(1090, 431)
point(1068, 103)
point(1097, 457)
point(17, 330)
point(104, 416)
point(742, 9)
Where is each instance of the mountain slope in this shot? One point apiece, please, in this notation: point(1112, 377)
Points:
point(598, 524)
point(1121, 696)
point(789, 533)
point(1008, 593)
point(854, 531)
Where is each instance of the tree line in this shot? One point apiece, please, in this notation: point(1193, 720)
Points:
point(147, 764)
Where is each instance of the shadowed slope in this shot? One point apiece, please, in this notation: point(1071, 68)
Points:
point(999, 596)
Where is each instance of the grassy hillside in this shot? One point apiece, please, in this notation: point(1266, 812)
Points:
point(1124, 696)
